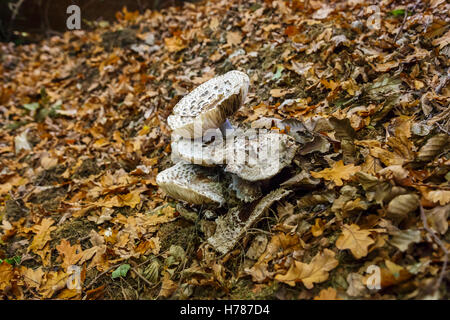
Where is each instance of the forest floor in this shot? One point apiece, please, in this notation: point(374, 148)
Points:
point(83, 134)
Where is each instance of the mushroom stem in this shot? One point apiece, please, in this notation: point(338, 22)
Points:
point(226, 126)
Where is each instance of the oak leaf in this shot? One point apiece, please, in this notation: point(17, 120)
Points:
point(355, 239)
point(54, 282)
point(337, 173)
point(70, 254)
point(309, 273)
point(234, 38)
point(441, 196)
point(42, 236)
point(32, 278)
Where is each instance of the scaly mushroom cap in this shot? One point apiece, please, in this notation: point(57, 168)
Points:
point(253, 155)
point(191, 183)
point(259, 156)
point(198, 152)
point(208, 105)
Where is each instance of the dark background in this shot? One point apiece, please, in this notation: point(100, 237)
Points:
point(44, 17)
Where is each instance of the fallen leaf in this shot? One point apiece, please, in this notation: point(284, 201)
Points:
point(70, 254)
point(402, 205)
point(337, 173)
point(174, 44)
point(403, 238)
point(354, 239)
point(309, 273)
point(437, 218)
point(42, 236)
point(439, 196)
point(6, 275)
point(327, 294)
point(318, 228)
point(234, 38)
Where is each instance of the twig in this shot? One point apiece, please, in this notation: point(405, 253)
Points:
point(439, 243)
point(101, 274)
point(142, 277)
point(401, 27)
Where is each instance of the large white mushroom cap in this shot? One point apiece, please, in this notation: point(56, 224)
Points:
point(208, 105)
point(252, 155)
point(191, 183)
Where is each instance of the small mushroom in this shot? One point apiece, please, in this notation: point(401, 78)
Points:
point(209, 105)
point(191, 183)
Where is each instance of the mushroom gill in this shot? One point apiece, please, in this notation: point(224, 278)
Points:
point(191, 183)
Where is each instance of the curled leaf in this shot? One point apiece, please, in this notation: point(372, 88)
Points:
point(403, 238)
point(432, 148)
point(400, 206)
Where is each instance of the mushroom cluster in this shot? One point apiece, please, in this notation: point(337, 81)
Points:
point(215, 162)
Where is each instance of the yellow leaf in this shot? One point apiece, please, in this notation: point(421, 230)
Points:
point(318, 228)
point(6, 275)
point(314, 272)
point(337, 173)
point(327, 294)
point(234, 38)
point(174, 44)
point(32, 278)
point(100, 143)
point(55, 281)
point(42, 236)
point(354, 239)
point(131, 199)
point(70, 254)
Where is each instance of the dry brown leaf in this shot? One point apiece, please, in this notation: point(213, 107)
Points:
point(280, 245)
point(33, 278)
point(432, 147)
point(309, 273)
point(168, 287)
point(400, 206)
point(337, 173)
point(174, 44)
point(327, 294)
point(354, 239)
point(442, 41)
point(54, 282)
point(318, 227)
point(437, 218)
point(403, 238)
point(6, 275)
point(234, 38)
point(70, 254)
point(42, 236)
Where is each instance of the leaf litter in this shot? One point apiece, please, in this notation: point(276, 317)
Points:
point(84, 134)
